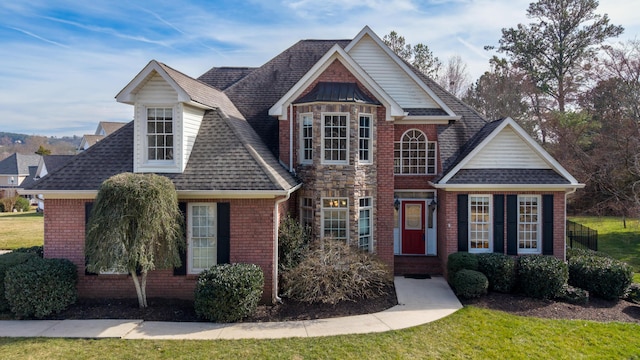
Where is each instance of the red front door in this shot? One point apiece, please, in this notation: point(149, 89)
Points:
point(413, 236)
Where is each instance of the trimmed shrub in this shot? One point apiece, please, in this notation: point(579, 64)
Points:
point(228, 292)
point(293, 242)
point(37, 250)
point(470, 284)
point(541, 276)
point(1, 206)
point(500, 269)
point(603, 277)
point(7, 261)
point(461, 260)
point(573, 295)
point(633, 293)
point(334, 271)
point(575, 252)
point(22, 204)
point(40, 287)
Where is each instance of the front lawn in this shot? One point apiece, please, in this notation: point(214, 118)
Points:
point(471, 333)
point(21, 230)
point(615, 240)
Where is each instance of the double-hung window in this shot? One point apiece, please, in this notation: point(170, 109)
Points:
point(160, 134)
point(306, 138)
point(202, 237)
point(365, 238)
point(306, 212)
point(364, 139)
point(335, 216)
point(480, 223)
point(335, 138)
point(529, 224)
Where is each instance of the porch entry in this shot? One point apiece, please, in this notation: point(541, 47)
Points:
point(416, 225)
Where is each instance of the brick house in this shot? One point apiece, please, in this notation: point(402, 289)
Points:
point(341, 134)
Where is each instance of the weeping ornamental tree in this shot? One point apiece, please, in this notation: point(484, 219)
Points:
point(135, 226)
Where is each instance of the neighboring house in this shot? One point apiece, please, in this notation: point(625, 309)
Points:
point(15, 171)
point(47, 164)
point(341, 134)
point(104, 129)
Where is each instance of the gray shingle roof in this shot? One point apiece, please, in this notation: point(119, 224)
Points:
point(508, 176)
point(223, 77)
point(425, 112)
point(54, 162)
point(18, 164)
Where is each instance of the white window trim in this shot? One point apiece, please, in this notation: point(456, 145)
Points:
point(304, 207)
point(427, 158)
point(490, 222)
point(346, 208)
point(145, 119)
point(370, 208)
point(348, 135)
point(538, 249)
point(301, 137)
point(370, 147)
point(190, 268)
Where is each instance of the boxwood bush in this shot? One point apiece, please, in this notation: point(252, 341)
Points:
point(7, 261)
point(500, 269)
point(459, 261)
point(40, 287)
point(541, 276)
point(470, 284)
point(575, 252)
point(37, 250)
point(228, 292)
point(603, 277)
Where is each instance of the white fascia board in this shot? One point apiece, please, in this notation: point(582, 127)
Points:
point(509, 187)
point(62, 194)
point(525, 137)
point(336, 52)
point(127, 94)
point(367, 31)
point(437, 120)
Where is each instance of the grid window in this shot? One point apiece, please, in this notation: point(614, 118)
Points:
point(202, 237)
point(306, 139)
point(306, 212)
point(364, 225)
point(336, 139)
point(335, 213)
point(413, 154)
point(159, 134)
point(479, 223)
point(364, 139)
point(528, 224)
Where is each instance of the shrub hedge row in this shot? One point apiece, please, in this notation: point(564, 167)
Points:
point(603, 277)
point(7, 261)
point(470, 284)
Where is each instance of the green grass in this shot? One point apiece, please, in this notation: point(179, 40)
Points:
point(616, 240)
point(21, 230)
point(470, 333)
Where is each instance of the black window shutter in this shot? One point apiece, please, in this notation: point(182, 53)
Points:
point(498, 223)
point(512, 224)
point(87, 215)
point(224, 233)
point(182, 269)
point(547, 224)
point(463, 222)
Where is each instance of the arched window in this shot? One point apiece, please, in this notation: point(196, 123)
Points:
point(414, 155)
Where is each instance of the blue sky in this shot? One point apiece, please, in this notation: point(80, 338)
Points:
point(62, 62)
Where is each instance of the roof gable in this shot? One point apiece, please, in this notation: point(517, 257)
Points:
point(504, 145)
point(393, 74)
point(336, 53)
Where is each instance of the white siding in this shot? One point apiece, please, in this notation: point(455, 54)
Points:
point(507, 151)
point(390, 76)
point(156, 91)
point(191, 119)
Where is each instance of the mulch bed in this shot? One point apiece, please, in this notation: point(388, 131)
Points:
point(182, 310)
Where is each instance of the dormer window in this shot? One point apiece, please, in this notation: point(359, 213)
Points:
point(160, 134)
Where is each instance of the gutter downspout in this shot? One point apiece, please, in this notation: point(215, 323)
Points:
point(276, 218)
point(291, 138)
point(566, 193)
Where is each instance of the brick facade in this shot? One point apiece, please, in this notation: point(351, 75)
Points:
point(252, 241)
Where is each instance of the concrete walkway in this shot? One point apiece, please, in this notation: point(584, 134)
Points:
point(419, 301)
